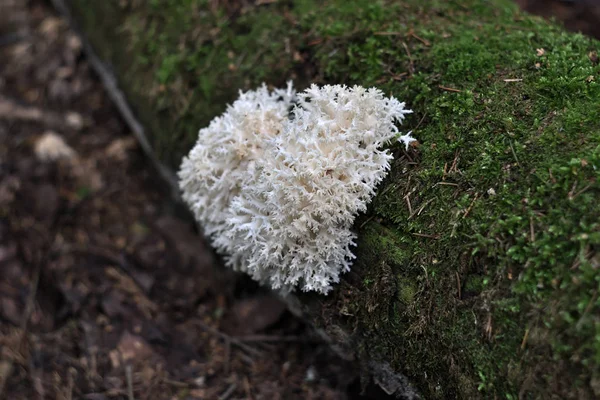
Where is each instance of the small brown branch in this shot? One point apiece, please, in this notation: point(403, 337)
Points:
point(524, 341)
point(449, 89)
point(471, 205)
point(398, 77)
point(407, 198)
point(424, 41)
point(489, 329)
point(577, 261)
point(420, 210)
point(552, 178)
point(446, 184)
point(571, 197)
point(512, 149)
point(420, 122)
point(367, 221)
point(454, 165)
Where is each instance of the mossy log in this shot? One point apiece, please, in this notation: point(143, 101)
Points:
point(478, 269)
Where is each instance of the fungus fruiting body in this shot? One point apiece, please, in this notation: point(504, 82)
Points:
point(278, 179)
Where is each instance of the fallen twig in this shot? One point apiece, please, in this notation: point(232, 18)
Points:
point(449, 89)
point(471, 205)
point(446, 184)
point(572, 196)
point(524, 341)
point(420, 121)
point(407, 198)
point(420, 210)
point(424, 41)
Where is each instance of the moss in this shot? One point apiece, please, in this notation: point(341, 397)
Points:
point(474, 284)
point(407, 290)
point(478, 259)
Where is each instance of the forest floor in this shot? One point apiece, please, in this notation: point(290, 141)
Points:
point(576, 15)
point(104, 293)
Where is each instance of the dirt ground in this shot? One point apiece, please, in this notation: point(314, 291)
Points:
point(104, 293)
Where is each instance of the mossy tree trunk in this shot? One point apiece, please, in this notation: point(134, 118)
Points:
point(478, 262)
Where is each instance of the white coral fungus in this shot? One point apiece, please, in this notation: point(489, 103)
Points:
point(277, 180)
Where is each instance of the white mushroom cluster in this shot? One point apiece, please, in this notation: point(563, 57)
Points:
point(277, 180)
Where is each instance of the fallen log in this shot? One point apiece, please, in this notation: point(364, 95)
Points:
point(477, 270)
